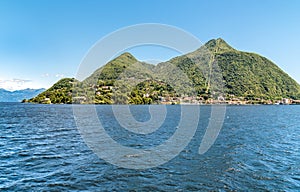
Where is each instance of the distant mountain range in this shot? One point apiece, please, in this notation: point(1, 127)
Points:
point(19, 95)
point(214, 71)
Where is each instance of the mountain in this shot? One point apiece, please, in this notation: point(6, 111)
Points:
point(112, 70)
point(249, 74)
point(243, 74)
point(19, 95)
point(60, 92)
point(214, 70)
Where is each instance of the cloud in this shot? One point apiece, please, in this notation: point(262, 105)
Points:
point(18, 84)
point(46, 75)
point(15, 84)
point(59, 75)
point(20, 81)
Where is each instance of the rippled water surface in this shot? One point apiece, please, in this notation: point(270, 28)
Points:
point(257, 150)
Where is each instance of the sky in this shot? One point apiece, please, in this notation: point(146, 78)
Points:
point(43, 41)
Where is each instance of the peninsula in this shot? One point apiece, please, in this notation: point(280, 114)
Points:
point(215, 73)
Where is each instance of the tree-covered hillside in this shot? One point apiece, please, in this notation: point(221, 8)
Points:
point(214, 70)
point(218, 67)
point(60, 92)
point(251, 75)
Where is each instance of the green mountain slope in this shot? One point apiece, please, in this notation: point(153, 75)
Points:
point(234, 72)
point(251, 75)
point(215, 69)
point(113, 69)
point(60, 92)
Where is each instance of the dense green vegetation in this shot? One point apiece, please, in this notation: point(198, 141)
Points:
point(150, 91)
point(113, 69)
point(60, 92)
point(214, 70)
point(217, 67)
point(250, 75)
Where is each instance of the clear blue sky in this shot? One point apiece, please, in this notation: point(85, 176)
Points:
point(42, 41)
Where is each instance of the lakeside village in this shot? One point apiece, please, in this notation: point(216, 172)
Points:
point(221, 100)
point(192, 100)
point(201, 101)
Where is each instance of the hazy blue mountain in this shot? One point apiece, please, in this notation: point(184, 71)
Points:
point(19, 95)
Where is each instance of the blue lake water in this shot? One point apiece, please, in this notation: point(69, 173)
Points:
point(257, 150)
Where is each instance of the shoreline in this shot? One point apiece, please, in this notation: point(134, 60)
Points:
point(186, 104)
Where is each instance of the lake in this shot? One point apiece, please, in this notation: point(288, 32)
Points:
point(257, 149)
